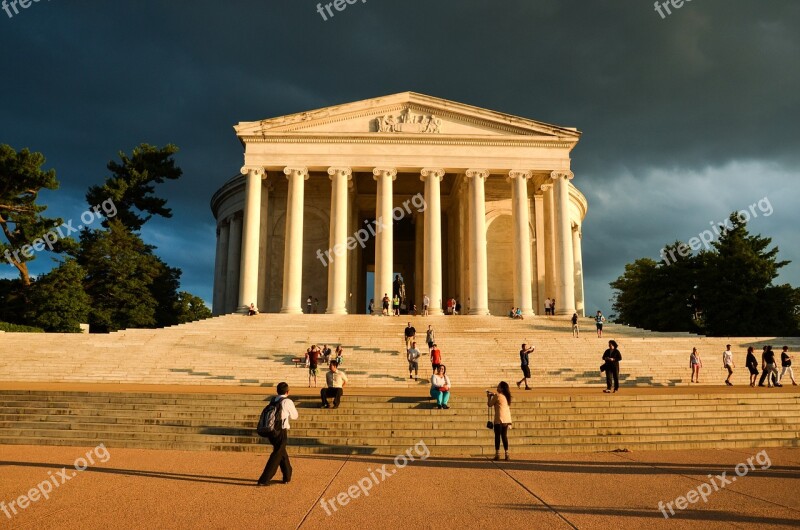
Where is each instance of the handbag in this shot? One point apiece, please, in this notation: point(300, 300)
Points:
point(489, 424)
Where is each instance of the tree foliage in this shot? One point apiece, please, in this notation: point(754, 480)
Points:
point(21, 221)
point(726, 291)
point(132, 184)
point(57, 301)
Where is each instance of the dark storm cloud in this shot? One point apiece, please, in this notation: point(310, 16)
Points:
point(663, 104)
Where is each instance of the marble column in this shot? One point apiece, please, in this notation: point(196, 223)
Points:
point(419, 259)
point(565, 279)
point(521, 239)
point(577, 236)
point(538, 212)
point(384, 234)
point(432, 272)
point(221, 268)
point(478, 282)
point(248, 276)
point(234, 264)
point(293, 250)
point(337, 268)
point(550, 269)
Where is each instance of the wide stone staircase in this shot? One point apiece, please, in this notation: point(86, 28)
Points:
point(383, 424)
point(258, 351)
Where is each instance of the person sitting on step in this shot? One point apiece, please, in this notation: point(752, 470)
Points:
point(336, 381)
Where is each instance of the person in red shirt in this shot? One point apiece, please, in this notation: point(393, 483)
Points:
point(436, 358)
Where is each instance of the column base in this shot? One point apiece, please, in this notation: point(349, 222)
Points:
point(291, 311)
point(435, 312)
point(565, 312)
point(336, 311)
point(479, 311)
point(527, 312)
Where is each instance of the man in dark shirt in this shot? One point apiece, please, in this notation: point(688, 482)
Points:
point(786, 363)
point(769, 368)
point(524, 361)
point(410, 334)
point(612, 357)
point(312, 360)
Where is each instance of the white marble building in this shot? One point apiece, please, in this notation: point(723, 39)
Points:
point(501, 225)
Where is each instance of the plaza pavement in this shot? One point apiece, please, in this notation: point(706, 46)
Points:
point(176, 489)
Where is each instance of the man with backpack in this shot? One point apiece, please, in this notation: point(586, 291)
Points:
point(274, 425)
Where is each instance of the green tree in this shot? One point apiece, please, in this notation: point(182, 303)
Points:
point(57, 301)
point(736, 291)
point(120, 270)
point(21, 220)
point(725, 291)
point(132, 184)
point(191, 308)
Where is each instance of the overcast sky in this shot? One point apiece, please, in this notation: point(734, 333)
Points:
point(684, 118)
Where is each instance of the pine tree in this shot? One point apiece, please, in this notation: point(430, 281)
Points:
point(57, 301)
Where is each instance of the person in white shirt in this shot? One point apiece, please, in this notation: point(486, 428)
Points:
point(727, 363)
point(440, 387)
point(413, 361)
point(336, 380)
point(279, 456)
point(426, 302)
point(547, 306)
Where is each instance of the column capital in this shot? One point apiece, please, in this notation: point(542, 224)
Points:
point(546, 187)
point(288, 171)
point(256, 170)
point(562, 174)
point(477, 173)
point(384, 172)
point(519, 173)
point(436, 173)
point(344, 171)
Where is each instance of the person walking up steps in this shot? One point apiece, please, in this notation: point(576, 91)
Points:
point(727, 363)
point(413, 361)
point(436, 358)
point(786, 363)
point(524, 361)
point(312, 361)
point(426, 302)
point(598, 321)
point(279, 456)
point(501, 401)
point(611, 358)
point(430, 338)
point(385, 303)
point(410, 335)
point(575, 330)
point(695, 363)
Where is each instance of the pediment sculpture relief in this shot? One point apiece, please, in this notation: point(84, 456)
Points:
point(408, 122)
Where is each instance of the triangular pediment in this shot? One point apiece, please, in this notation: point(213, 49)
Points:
point(407, 113)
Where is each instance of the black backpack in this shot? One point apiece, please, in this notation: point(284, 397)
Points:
point(270, 424)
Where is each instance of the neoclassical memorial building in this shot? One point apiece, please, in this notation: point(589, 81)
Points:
point(462, 202)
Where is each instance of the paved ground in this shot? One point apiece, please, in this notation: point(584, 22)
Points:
point(173, 489)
